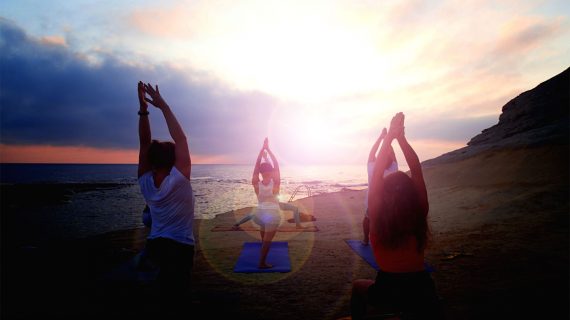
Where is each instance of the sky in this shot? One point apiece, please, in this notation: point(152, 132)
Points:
point(320, 79)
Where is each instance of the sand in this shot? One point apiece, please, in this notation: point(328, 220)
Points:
point(499, 244)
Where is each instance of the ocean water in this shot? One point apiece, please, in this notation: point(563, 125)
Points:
point(105, 198)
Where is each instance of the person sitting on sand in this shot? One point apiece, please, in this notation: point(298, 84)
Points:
point(392, 167)
point(164, 179)
point(398, 208)
point(267, 214)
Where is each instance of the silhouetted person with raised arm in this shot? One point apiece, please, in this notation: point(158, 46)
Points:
point(398, 208)
point(164, 179)
point(392, 166)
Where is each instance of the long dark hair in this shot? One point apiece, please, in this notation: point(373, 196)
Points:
point(400, 215)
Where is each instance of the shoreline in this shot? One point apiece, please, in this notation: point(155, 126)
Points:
point(29, 198)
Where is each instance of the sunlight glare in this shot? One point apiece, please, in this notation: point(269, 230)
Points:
point(307, 57)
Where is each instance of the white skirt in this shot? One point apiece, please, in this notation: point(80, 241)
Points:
point(268, 215)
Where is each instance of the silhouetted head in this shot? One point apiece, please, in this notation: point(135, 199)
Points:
point(266, 170)
point(161, 154)
point(400, 214)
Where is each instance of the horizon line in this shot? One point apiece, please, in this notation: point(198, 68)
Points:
point(222, 164)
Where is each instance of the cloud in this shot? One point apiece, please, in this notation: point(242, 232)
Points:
point(350, 66)
point(170, 21)
point(74, 154)
point(523, 34)
point(65, 154)
point(449, 129)
point(350, 48)
point(53, 96)
point(54, 40)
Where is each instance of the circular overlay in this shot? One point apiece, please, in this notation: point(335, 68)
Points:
point(221, 249)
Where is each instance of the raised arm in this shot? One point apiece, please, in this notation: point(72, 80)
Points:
point(144, 132)
point(255, 177)
point(415, 170)
point(377, 184)
point(374, 150)
point(181, 151)
point(276, 172)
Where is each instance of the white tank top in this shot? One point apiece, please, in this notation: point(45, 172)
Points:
point(171, 206)
point(265, 195)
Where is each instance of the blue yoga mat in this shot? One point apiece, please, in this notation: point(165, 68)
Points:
point(278, 256)
point(365, 252)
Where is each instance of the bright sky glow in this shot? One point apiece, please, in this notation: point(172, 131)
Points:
point(339, 69)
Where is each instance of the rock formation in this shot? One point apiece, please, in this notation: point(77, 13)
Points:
point(538, 117)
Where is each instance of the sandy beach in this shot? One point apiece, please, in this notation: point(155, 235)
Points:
point(491, 256)
point(500, 242)
point(500, 251)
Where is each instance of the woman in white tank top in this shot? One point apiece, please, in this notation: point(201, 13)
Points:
point(267, 214)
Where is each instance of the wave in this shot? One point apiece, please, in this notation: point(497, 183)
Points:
point(312, 182)
point(201, 178)
point(217, 180)
point(350, 185)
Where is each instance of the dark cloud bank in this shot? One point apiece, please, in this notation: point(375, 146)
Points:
point(51, 95)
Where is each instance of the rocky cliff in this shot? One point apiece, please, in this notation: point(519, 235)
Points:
point(535, 118)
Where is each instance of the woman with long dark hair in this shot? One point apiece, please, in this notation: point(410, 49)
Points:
point(397, 208)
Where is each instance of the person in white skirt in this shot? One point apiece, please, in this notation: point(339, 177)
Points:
point(267, 214)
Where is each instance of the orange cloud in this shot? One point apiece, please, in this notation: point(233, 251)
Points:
point(212, 159)
point(526, 33)
point(80, 154)
point(181, 20)
point(54, 40)
point(64, 154)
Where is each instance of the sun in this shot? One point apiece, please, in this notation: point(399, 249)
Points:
point(316, 134)
point(306, 63)
point(309, 135)
point(298, 52)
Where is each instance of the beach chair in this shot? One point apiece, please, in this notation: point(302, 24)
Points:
point(303, 216)
point(309, 192)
